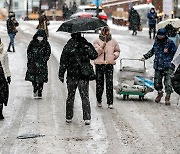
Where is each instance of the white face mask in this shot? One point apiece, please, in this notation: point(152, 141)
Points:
point(40, 38)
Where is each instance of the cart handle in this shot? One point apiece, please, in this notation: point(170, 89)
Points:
point(132, 60)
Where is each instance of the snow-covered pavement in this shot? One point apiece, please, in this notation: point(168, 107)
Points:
point(131, 127)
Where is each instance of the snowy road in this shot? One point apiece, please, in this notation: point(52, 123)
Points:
point(131, 127)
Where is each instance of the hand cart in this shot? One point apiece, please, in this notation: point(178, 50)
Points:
point(126, 85)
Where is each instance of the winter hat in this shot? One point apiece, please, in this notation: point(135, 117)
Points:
point(162, 32)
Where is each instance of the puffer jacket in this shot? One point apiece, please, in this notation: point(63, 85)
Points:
point(176, 81)
point(152, 18)
point(38, 54)
point(76, 48)
point(111, 51)
point(162, 60)
point(4, 61)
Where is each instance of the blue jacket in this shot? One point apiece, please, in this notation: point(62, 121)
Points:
point(162, 60)
point(152, 18)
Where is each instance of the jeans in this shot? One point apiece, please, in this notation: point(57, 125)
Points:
point(152, 28)
point(83, 86)
point(107, 72)
point(158, 79)
point(11, 36)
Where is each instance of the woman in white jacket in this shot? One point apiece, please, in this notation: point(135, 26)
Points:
point(5, 78)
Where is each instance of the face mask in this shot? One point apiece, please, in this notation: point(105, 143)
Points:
point(40, 38)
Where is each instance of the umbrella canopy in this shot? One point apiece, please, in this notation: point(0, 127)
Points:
point(174, 22)
point(81, 24)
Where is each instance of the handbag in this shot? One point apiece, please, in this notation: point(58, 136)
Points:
point(87, 70)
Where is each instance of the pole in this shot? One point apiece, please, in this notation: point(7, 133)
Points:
point(32, 6)
point(10, 5)
point(27, 8)
point(40, 7)
point(97, 9)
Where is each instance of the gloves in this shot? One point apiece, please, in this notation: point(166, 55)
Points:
point(61, 79)
point(142, 59)
point(9, 79)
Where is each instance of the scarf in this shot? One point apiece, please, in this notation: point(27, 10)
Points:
point(103, 38)
point(1, 48)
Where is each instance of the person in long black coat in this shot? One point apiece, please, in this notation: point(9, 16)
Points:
point(38, 54)
point(75, 53)
point(134, 21)
point(4, 91)
point(176, 81)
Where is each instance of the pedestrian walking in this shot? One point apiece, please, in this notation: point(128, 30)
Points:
point(164, 50)
point(108, 51)
point(5, 78)
point(12, 25)
point(43, 23)
point(176, 81)
point(152, 18)
point(65, 10)
point(134, 21)
point(173, 34)
point(38, 54)
point(75, 57)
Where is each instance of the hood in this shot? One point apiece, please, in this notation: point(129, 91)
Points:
point(162, 32)
point(41, 33)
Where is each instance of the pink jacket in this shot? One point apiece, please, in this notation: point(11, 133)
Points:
point(111, 50)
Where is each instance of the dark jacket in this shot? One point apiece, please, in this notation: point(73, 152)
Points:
point(4, 89)
point(76, 48)
point(162, 60)
point(134, 19)
point(11, 26)
point(152, 16)
point(176, 81)
point(38, 54)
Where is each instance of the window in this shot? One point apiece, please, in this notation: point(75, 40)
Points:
point(16, 5)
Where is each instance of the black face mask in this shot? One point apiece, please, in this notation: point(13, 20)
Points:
point(161, 41)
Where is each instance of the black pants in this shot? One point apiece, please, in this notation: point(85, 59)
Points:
point(107, 72)
point(83, 86)
point(152, 28)
point(37, 87)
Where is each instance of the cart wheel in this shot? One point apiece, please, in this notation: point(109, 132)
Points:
point(124, 97)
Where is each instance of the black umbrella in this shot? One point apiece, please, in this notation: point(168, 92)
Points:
point(81, 24)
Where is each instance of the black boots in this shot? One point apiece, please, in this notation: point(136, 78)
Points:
point(1, 110)
point(8, 50)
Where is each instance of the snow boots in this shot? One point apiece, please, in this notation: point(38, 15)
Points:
point(167, 99)
point(159, 96)
point(1, 110)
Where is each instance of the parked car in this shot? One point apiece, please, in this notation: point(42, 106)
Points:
point(86, 11)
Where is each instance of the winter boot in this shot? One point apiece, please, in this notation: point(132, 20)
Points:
point(1, 110)
point(159, 96)
point(8, 50)
point(13, 49)
point(39, 94)
point(167, 99)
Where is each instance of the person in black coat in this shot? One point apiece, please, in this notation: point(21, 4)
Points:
point(4, 91)
point(77, 52)
point(11, 29)
point(176, 81)
point(134, 21)
point(38, 54)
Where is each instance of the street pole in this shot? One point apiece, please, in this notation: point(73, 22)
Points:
point(97, 9)
point(10, 6)
point(27, 8)
point(39, 6)
point(32, 6)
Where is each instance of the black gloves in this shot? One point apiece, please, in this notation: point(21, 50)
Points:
point(9, 79)
point(61, 79)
